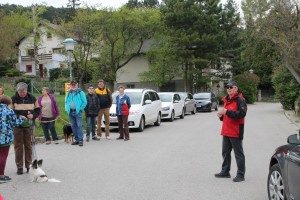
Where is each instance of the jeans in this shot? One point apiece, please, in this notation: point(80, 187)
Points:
point(49, 126)
point(76, 123)
point(237, 145)
point(90, 124)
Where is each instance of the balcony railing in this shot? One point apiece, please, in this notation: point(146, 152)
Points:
point(40, 57)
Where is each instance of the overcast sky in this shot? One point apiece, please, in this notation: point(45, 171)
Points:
point(60, 3)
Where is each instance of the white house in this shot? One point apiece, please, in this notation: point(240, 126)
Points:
point(50, 53)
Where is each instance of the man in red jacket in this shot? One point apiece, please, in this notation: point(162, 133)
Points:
point(233, 117)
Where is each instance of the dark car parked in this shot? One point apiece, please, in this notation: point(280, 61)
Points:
point(189, 102)
point(284, 171)
point(206, 101)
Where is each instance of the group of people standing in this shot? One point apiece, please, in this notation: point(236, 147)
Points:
point(19, 113)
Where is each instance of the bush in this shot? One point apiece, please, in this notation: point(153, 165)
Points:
point(58, 73)
point(247, 84)
point(286, 88)
point(12, 72)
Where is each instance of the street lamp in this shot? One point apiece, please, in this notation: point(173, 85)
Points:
point(251, 71)
point(69, 45)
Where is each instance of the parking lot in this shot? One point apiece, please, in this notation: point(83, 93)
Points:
point(176, 160)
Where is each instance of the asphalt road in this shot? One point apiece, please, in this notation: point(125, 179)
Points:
point(174, 161)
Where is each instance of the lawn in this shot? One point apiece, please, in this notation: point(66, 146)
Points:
point(60, 99)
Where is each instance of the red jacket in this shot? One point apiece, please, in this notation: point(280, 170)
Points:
point(234, 119)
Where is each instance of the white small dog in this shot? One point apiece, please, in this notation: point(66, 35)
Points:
point(38, 175)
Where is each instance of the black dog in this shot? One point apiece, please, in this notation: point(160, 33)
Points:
point(68, 133)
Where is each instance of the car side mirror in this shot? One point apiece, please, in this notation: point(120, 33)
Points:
point(187, 99)
point(148, 102)
point(176, 101)
point(293, 139)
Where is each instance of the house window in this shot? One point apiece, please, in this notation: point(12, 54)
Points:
point(58, 50)
point(49, 36)
point(130, 86)
point(30, 52)
point(28, 68)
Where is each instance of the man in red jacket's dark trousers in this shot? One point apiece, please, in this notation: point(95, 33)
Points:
point(233, 117)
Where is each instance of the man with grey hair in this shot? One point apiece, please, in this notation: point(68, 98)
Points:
point(24, 104)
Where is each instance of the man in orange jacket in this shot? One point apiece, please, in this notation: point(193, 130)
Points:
point(233, 117)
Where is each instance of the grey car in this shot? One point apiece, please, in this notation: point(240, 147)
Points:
point(206, 101)
point(189, 102)
point(284, 171)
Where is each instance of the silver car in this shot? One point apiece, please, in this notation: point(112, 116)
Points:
point(189, 102)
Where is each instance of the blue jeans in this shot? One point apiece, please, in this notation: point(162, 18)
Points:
point(49, 126)
point(76, 123)
point(91, 124)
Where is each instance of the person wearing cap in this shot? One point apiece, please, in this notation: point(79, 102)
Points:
point(233, 118)
point(105, 98)
point(75, 104)
point(91, 112)
point(48, 115)
point(24, 104)
point(122, 110)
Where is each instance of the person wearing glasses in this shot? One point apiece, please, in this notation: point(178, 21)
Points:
point(91, 112)
point(233, 118)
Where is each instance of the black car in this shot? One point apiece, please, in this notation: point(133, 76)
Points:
point(284, 171)
point(206, 101)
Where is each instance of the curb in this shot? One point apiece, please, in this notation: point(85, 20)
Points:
point(291, 115)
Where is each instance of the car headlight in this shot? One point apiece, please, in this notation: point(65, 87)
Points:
point(166, 108)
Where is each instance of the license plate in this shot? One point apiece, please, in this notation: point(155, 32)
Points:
point(113, 120)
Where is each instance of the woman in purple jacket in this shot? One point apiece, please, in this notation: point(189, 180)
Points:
point(48, 115)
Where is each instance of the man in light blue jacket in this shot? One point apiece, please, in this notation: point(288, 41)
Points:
point(75, 104)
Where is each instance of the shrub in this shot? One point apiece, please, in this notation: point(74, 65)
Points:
point(12, 72)
point(286, 88)
point(247, 84)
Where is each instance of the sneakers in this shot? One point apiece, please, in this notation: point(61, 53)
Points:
point(80, 144)
point(107, 137)
point(222, 175)
point(87, 138)
point(238, 179)
point(119, 138)
point(55, 141)
point(95, 138)
point(5, 179)
point(126, 139)
point(20, 171)
point(48, 142)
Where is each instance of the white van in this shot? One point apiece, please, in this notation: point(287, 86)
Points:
point(145, 109)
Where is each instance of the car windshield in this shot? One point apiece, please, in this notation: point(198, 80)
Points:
point(182, 95)
point(166, 97)
point(202, 96)
point(135, 97)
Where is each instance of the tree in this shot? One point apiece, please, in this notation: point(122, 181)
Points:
point(86, 29)
point(278, 22)
point(195, 29)
point(124, 33)
point(14, 27)
point(164, 63)
point(142, 4)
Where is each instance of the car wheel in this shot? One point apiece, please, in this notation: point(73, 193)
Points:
point(182, 114)
point(276, 184)
point(172, 116)
point(194, 110)
point(209, 109)
point(158, 120)
point(142, 124)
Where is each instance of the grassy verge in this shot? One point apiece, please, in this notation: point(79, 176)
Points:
point(60, 99)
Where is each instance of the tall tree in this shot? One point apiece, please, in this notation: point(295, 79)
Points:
point(124, 33)
point(195, 27)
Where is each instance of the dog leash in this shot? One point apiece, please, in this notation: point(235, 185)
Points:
point(43, 121)
point(34, 154)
